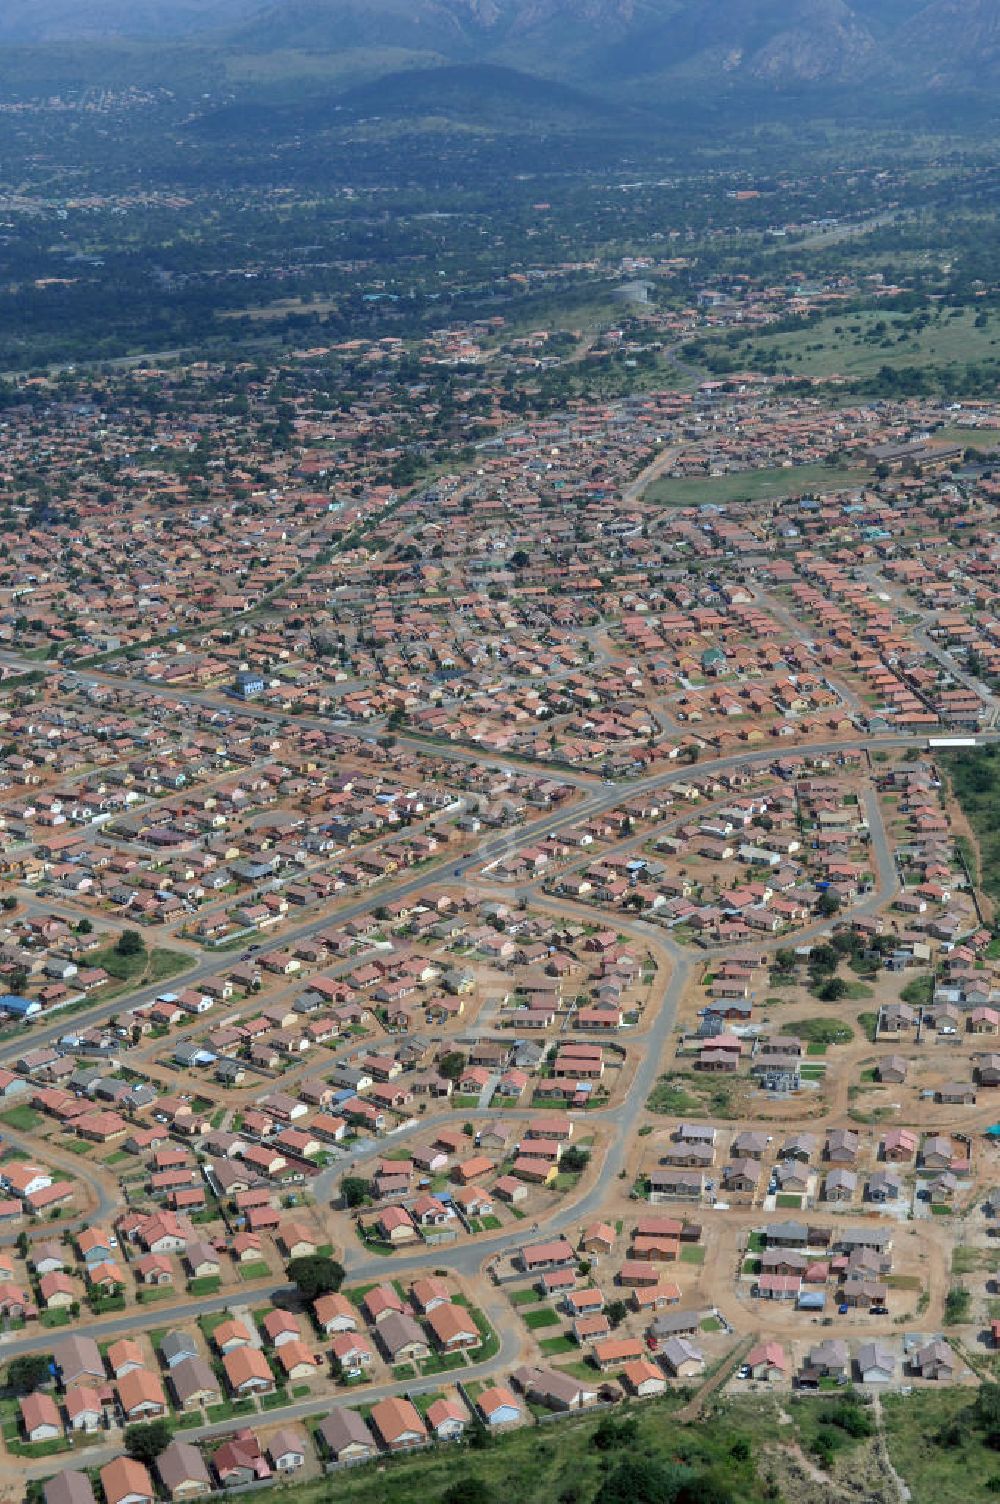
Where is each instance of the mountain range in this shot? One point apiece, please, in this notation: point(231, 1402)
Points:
point(602, 45)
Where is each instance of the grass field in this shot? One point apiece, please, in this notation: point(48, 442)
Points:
point(936, 1473)
point(688, 1093)
point(752, 485)
point(969, 438)
point(148, 966)
point(856, 345)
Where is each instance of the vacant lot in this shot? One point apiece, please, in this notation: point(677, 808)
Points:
point(939, 1456)
point(856, 345)
point(753, 485)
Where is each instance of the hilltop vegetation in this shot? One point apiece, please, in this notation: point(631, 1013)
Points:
point(975, 782)
point(820, 55)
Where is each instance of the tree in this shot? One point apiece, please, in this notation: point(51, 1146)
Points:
point(146, 1442)
point(614, 1435)
point(987, 1414)
point(355, 1190)
point(832, 990)
point(84, 927)
point(469, 1489)
point(28, 1373)
point(829, 904)
point(574, 1160)
point(847, 942)
point(315, 1274)
point(130, 943)
point(705, 1489)
point(785, 959)
point(452, 1064)
point(823, 958)
point(638, 1480)
point(616, 1312)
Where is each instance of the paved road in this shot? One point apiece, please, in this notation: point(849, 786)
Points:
point(319, 1406)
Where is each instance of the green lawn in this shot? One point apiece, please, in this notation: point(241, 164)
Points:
point(824, 1030)
point(441, 1362)
point(257, 1270)
point(208, 1284)
point(535, 1321)
point(23, 1118)
point(489, 1344)
point(211, 1319)
point(101, 1304)
point(552, 1346)
point(79, 1146)
point(38, 1448)
point(224, 1411)
point(149, 1294)
point(692, 1253)
point(274, 1401)
point(582, 1368)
